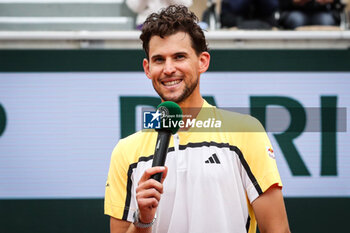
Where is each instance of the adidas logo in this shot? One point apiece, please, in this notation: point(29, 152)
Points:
point(213, 159)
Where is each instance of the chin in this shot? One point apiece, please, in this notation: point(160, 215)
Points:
point(175, 99)
point(171, 99)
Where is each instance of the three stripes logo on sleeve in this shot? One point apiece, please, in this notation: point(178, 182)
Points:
point(213, 159)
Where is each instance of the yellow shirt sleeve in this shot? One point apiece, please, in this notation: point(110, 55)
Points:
point(116, 186)
point(259, 155)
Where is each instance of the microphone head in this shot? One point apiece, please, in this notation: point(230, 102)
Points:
point(171, 114)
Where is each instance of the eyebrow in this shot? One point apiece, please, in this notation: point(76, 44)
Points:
point(156, 56)
point(180, 53)
point(175, 54)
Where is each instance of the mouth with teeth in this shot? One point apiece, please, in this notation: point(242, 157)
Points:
point(171, 83)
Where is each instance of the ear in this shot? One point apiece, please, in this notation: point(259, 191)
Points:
point(204, 60)
point(145, 65)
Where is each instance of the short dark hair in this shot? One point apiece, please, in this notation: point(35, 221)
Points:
point(173, 19)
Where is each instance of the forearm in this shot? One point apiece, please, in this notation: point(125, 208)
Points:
point(121, 226)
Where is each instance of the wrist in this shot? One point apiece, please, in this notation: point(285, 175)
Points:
point(141, 224)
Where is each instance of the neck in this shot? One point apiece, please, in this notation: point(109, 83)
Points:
point(191, 107)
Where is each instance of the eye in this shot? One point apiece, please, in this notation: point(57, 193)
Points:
point(180, 56)
point(158, 59)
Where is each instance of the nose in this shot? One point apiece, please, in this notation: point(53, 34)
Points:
point(169, 67)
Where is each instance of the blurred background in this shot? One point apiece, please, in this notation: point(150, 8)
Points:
point(72, 85)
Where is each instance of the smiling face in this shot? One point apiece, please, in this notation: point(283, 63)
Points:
point(174, 68)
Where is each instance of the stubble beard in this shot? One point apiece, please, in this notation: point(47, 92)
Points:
point(187, 91)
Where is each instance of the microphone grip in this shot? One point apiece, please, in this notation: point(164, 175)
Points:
point(160, 152)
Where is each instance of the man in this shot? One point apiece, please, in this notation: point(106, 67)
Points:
point(298, 13)
point(212, 181)
point(248, 14)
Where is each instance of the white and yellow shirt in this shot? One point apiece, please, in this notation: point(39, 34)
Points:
point(213, 177)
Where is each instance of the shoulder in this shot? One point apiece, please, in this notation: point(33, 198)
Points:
point(135, 137)
point(134, 146)
point(238, 122)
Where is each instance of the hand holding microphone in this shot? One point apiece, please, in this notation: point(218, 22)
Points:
point(148, 193)
point(150, 186)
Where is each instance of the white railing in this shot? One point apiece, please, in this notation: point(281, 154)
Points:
point(210, 35)
point(216, 39)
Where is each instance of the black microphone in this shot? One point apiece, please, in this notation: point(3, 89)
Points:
point(170, 116)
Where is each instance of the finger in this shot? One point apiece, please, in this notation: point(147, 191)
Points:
point(147, 203)
point(148, 193)
point(149, 184)
point(151, 171)
point(165, 173)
